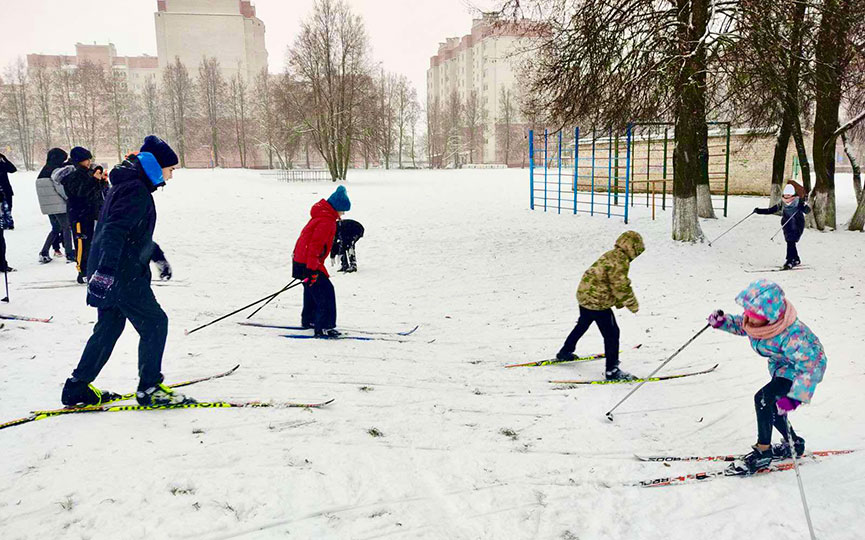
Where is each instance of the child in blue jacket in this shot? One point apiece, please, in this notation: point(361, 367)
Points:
point(796, 363)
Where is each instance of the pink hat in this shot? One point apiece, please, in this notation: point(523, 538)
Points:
point(756, 316)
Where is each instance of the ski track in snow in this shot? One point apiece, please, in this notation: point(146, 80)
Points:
point(469, 449)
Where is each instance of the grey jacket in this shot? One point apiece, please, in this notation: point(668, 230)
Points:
point(52, 196)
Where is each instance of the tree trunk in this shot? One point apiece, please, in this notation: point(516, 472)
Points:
point(704, 191)
point(779, 161)
point(857, 171)
point(831, 44)
point(857, 223)
point(690, 103)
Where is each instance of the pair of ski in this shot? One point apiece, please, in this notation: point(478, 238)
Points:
point(26, 319)
point(775, 269)
point(366, 335)
point(784, 465)
point(108, 407)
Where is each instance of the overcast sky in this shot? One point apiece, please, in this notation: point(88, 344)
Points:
point(403, 33)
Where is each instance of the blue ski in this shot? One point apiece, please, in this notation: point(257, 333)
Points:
point(343, 336)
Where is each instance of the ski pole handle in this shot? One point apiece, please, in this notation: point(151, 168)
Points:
point(271, 299)
point(268, 297)
point(667, 361)
point(731, 228)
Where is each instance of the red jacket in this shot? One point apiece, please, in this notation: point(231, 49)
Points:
point(316, 239)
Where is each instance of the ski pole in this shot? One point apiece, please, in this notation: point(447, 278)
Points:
point(268, 297)
point(731, 228)
point(799, 478)
point(783, 225)
point(271, 299)
point(667, 361)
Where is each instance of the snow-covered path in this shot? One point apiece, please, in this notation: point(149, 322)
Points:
point(468, 449)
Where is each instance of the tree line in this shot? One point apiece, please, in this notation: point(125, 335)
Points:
point(787, 66)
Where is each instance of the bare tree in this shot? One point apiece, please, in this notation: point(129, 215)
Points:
point(329, 59)
point(475, 117)
point(413, 117)
point(66, 83)
point(387, 115)
point(89, 103)
point(150, 102)
point(42, 81)
point(505, 124)
point(406, 101)
point(452, 129)
point(434, 142)
point(16, 108)
point(289, 129)
point(178, 88)
point(264, 113)
point(211, 90)
point(239, 107)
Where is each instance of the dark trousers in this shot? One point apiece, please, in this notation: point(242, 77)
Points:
point(319, 305)
point(60, 232)
point(792, 252)
point(767, 412)
point(606, 321)
point(148, 319)
point(82, 232)
point(348, 258)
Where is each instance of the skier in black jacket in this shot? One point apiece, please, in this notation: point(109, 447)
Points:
point(348, 232)
point(119, 280)
point(6, 193)
point(83, 194)
point(794, 208)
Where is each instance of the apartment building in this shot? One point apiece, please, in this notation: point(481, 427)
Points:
point(133, 70)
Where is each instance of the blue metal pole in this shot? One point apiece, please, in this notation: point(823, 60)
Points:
point(627, 173)
point(576, 163)
point(592, 199)
point(545, 170)
point(560, 173)
point(609, 169)
point(532, 169)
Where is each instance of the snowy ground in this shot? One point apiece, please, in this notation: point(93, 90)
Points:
point(492, 283)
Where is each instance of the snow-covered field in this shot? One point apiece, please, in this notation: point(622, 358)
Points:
point(468, 449)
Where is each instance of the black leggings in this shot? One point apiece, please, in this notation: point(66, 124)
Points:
point(792, 252)
point(767, 412)
point(609, 329)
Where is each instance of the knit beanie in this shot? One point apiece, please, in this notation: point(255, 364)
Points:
point(79, 154)
point(163, 153)
point(789, 190)
point(339, 200)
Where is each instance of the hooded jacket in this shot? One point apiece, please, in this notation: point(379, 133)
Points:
point(82, 192)
point(123, 243)
point(316, 239)
point(52, 196)
point(795, 354)
point(606, 284)
point(6, 168)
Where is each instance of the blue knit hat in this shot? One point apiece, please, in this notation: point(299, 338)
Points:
point(339, 200)
point(163, 153)
point(79, 154)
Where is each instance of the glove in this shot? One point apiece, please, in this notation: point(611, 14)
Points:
point(100, 283)
point(717, 319)
point(756, 210)
point(164, 269)
point(312, 277)
point(786, 405)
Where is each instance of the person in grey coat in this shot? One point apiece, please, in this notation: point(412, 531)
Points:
point(52, 202)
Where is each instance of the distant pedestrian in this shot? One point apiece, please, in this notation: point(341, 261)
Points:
point(348, 232)
point(6, 193)
point(101, 179)
point(606, 285)
point(793, 207)
point(310, 251)
point(52, 202)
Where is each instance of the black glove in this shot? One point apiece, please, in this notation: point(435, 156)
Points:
point(164, 269)
point(311, 276)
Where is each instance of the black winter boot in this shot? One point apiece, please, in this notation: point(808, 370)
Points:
point(81, 394)
point(781, 450)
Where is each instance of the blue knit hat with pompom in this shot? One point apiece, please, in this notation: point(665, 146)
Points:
point(339, 200)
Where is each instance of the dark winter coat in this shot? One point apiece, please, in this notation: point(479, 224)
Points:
point(123, 243)
point(6, 168)
point(348, 232)
point(315, 241)
point(83, 193)
point(794, 227)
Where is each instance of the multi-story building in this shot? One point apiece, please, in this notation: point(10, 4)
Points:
point(133, 70)
point(227, 30)
point(484, 61)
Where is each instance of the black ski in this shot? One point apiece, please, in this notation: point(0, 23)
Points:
point(349, 330)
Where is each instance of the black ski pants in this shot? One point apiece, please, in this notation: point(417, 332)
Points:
point(60, 232)
point(767, 412)
point(319, 304)
point(140, 307)
point(792, 252)
point(348, 258)
point(606, 321)
point(82, 231)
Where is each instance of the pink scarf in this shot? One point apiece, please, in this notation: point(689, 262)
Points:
point(771, 330)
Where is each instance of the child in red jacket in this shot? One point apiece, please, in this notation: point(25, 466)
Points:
point(310, 252)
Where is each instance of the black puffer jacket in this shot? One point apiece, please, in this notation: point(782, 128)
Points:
point(792, 217)
point(83, 192)
point(123, 244)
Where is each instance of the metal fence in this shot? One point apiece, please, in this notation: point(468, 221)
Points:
point(302, 175)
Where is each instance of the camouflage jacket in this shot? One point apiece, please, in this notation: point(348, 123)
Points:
point(606, 284)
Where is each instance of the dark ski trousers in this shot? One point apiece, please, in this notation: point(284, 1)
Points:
point(60, 232)
point(767, 412)
point(82, 231)
point(606, 321)
point(792, 252)
point(348, 258)
point(140, 307)
point(319, 304)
